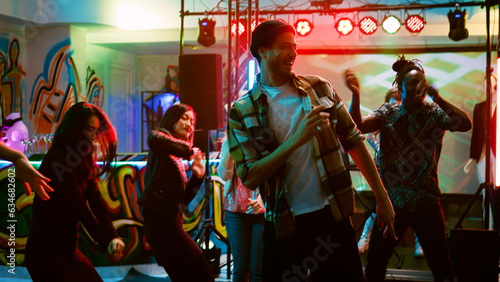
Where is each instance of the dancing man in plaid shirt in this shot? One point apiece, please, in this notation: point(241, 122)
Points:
point(286, 136)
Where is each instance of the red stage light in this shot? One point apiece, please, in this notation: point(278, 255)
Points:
point(344, 26)
point(242, 27)
point(415, 24)
point(303, 27)
point(368, 25)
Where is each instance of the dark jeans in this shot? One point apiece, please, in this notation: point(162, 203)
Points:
point(60, 267)
point(429, 226)
point(320, 246)
point(173, 249)
point(245, 236)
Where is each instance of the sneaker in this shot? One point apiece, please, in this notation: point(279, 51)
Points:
point(365, 236)
point(419, 252)
point(363, 243)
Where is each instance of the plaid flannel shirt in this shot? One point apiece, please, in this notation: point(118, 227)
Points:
point(250, 139)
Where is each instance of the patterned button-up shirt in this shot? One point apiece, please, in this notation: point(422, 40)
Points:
point(410, 146)
point(250, 139)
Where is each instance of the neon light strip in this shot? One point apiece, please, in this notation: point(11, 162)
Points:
point(138, 163)
point(251, 73)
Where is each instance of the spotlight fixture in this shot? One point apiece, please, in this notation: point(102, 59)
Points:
point(414, 24)
point(368, 25)
point(303, 27)
point(241, 28)
point(391, 24)
point(206, 37)
point(344, 26)
point(457, 20)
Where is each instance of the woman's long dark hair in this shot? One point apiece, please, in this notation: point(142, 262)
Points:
point(172, 116)
point(71, 136)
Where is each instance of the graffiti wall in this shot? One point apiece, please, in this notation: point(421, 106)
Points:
point(12, 76)
point(120, 193)
point(44, 93)
point(95, 87)
point(55, 89)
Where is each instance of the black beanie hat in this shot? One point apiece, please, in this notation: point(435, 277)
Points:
point(267, 31)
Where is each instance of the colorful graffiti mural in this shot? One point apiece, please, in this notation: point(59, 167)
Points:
point(55, 90)
point(120, 192)
point(95, 89)
point(11, 77)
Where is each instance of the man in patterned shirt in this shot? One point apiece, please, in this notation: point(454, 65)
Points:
point(411, 135)
point(285, 136)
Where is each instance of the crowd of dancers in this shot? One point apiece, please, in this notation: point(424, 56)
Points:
point(288, 197)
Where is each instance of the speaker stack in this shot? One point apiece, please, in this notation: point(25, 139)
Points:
point(200, 79)
point(200, 86)
point(475, 254)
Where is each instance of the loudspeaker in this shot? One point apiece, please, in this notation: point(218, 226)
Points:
point(200, 82)
point(201, 140)
point(475, 254)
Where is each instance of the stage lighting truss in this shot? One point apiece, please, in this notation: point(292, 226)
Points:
point(303, 27)
point(344, 26)
point(414, 23)
point(391, 24)
point(368, 25)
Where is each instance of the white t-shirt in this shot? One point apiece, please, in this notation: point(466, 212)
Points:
point(285, 112)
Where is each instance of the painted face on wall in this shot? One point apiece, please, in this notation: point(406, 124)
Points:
point(414, 89)
point(281, 56)
point(184, 127)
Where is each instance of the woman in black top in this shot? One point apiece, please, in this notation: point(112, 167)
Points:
point(52, 249)
point(167, 191)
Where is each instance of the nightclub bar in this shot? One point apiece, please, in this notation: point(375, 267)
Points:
point(249, 140)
